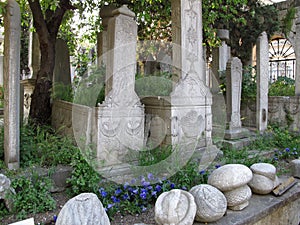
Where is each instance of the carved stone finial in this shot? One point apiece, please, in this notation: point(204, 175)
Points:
point(124, 10)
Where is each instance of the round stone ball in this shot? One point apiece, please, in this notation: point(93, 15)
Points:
point(211, 203)
point(230, 176)
point(238, 196)
point(261, 184)
point(265, 169)
point(175, 207)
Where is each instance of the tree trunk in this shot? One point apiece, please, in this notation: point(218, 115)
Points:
point(40, 109)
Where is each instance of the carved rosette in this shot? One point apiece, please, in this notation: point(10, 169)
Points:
point(192, 124)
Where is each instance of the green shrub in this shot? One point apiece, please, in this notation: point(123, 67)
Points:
point(83, 177)
point(283, 86)
point(62, 92)
point(32, 195)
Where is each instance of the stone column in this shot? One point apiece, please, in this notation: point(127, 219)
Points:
point(297, 51)
point(1, 69)
point(262, 65)
point(233, 99)
point(102, 42)
point(191, 99)
point(12, 26)
point(220, 57)
point(121, 117)
point(34, 55)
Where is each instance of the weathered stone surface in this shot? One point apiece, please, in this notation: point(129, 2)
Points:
point(265, 169)
point(12, 26)
point(239, 207)
point(5, 189)
point(83, 209)
point(211, 203)
point(175, 207)
point(238, 196)
point(261, 184)
point(230, 176)
point(295, 167)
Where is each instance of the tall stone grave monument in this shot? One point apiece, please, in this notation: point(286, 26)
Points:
point(191, 99)
point(220, 56)
point(102, 42)
point(297, 49)
point(34, 55)
point(262, 65)
point(233, 99)
point(121, 116)
point(12, 26)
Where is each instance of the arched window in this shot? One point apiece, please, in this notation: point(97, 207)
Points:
point(282, 59)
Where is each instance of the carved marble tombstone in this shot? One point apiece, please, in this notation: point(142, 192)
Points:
point(1, 69)
point(121, 116)
point(233, 96)
point(12, 26)
point(297, 51)
point(262, 65)
point(191, 99)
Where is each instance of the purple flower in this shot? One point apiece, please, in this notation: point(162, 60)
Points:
point(118, 191)
point(103, 192)
point(143, 195)
point(217, 166)
point(145, 183)
point(126, 185)
point(54, 218)
point(158, 188)
point(172, 186)
point(287, 149)
point(150, 176)
point(153, 193)
point(184, 188)
point(125, 197)
point(202, 172)
point(143, 208)
point(135, 191)
point(115, 199)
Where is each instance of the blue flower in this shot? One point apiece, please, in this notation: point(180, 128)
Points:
point(158, 188)
point(125, 197)
point(135, 191)
point(133, 181)
point(150, 176)
point(54, 218)
point(275, 158)
point(103, 192)
point(202, 172)
point(184, 188)
point(217, 166)
point(143, 195)
point(109, 206)
point(115, 199)
point(145, 183)
point(143, 208)
point(126, 185)
point(153, 193)
point(149, 188)
point(287, 149)
point(118, 191)
point(172, 186)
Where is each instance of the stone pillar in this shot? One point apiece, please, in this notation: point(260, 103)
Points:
point(262, 65)
point(220, 57)
point(297, 52)
point(191, 99)
point(1, 69)
point(102, 42)
point(233, 99)
point(34, 55)
point(62, 70)
point(121, 117)
point(12, 26)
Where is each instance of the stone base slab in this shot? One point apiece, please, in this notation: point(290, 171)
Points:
point(236, 134)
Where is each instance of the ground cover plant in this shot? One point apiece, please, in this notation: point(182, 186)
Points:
point(138, 195)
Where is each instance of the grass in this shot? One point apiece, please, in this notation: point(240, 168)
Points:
point(45, 148)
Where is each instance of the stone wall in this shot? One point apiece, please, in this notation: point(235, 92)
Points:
point(283, 110)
